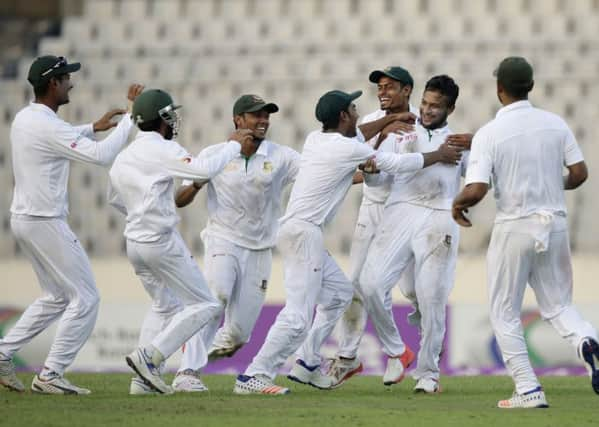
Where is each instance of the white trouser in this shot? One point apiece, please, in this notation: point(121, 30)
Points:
point(513, 261)
point(311, 277)
point(238, 277)
point(353, 321)
point(429, 238)
point(65, 276)
point(181, 301)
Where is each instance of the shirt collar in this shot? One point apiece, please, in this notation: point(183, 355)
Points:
point(43, 108)
point(514, 106)
point(438, 131)
point(263, 149)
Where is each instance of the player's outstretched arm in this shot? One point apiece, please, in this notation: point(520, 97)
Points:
point(468, 197)
point(446, 153)
point(186, 194)
point(370, 129)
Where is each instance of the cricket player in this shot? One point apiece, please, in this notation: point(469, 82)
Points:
point(328, 162)
point(43, 146)
point(142, 180)
point(244, 203)
point(417, 228)
point(394, 87)
point(523, 152)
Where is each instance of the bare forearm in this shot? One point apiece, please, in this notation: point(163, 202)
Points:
point(370, 129)
point(185, 195)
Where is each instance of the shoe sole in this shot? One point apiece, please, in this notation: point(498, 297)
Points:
point(542, 406)
point(590, 354)
point(297, 380)
point(244, 391)
point(12, 388)
point(146, 381)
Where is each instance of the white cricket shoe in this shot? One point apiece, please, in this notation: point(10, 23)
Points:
point(8, 378)
point(216, 353)
point(259, 384)
point(534, 398)
point(55, 384)
point(310, 375)
point(188, 381)
point(145, 369)
point(342, 369)
point(139, 387)
point(589, 353)
point(427, 385)
point(396, 367)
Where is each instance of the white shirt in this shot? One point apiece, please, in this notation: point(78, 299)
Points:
point(244, 200)
point(378, 193)
point(524, 150)
point(433, 187)
point(43, 146)
point(327, 165)
point(142, 182)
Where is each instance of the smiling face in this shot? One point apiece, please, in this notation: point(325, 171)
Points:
point(258, 122)
point(434, 109)
point(393, 96)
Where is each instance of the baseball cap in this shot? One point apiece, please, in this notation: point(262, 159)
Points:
point(45, 67)
point(152, 104)
point(334, 102)
point(514, 72)
point(251, 104)
point(396, 73)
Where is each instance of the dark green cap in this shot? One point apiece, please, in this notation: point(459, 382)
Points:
point(396, 73)
point(514, 72)
point(148, 105)
point(332, 103)
point(251, 104)
point(48, 66)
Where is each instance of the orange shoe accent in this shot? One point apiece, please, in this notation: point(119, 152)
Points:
point(407, 358)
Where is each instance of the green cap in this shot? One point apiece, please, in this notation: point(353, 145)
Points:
point(48, 66)
point(148, 105)
point(251, 104)
point(396, 73)
point(514, 72)
point(332, 103)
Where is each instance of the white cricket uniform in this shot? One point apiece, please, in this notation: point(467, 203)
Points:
point(416, 227)
point(142, 186)
point(43, 146)
point(353, 321)
point(312, 276)
point(244, 204)
point(524, 151)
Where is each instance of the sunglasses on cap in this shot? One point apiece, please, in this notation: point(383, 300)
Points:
point(62, 62)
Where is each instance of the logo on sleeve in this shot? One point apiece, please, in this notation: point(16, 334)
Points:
point(74, 145)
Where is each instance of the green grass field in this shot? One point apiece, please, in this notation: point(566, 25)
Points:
point(363, 401)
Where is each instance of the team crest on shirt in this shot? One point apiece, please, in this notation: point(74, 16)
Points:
point(231, 167)
point(267, 167)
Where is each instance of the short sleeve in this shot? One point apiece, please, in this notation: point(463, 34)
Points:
point(572, 151)
point(480, 162)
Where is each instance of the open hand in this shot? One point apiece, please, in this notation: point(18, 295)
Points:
point(450, 153)
point(106, 122)
point(461, 139)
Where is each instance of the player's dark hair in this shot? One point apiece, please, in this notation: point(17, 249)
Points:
point(152, 125)
point(41, 90)
point(333, 123)
point(446, 86)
